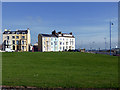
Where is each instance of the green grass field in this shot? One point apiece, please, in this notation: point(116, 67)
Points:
point(60, 69)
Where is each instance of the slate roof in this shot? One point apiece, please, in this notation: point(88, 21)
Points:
point(48, 35)
point(55, 35)
point(16, 32)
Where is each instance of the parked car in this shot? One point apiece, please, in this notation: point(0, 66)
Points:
point(76, 50)
point(9, 50)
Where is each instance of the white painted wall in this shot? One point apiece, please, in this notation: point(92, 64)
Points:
point(66, 43)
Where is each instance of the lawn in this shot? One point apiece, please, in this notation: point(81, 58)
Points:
point(60, 69)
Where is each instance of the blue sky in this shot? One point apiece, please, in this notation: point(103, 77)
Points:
point(89, 21)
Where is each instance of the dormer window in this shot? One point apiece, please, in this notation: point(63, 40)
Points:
point(23, 32)
point(17, 32)
point(17, 37)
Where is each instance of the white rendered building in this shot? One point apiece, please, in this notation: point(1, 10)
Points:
point(56, 42)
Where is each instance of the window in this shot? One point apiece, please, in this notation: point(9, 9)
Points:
point(13, 37)
point(72, 43)
point(23, 37)
point(47, 43)
point(63, 43)
point(55, 43)
point(7, 37)
point(17, 32)
point(13, 41)
point(17, 42)
point(51, 43)
point(60, 43)
point(22, 42)
point(66, 43)
point(13, 47)
point(23, 32)
point(63, 48)
point(17, 37)
point(22, 47)
point(66, 47)
point(60, 48)
point(44, 43)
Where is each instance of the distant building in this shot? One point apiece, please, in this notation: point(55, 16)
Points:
point(18, 40)
point(35, 47)
point(56, 42)
point(82, 50)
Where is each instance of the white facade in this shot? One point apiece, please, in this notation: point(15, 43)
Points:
point(49, 44)
point(66, 43)
point(56, 42)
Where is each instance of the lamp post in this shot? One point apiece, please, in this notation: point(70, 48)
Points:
point(105, 43)
point(93, 45)
point(110, 35)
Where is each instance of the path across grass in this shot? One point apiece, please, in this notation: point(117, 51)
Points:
point(60, 69)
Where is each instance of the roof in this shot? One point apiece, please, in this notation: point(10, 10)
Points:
point(16, 32)
point(67, 36)
point(48, 35)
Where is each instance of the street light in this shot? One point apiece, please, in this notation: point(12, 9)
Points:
point(93, 45)
point(110, 35)
point(105, 43)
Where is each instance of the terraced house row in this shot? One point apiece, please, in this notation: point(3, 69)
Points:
point(56, 42)
point(18, 40)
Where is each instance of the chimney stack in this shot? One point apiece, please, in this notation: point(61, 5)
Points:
point(70, 33)
point(5, 30)
point(59, 32)
point(54, 32)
